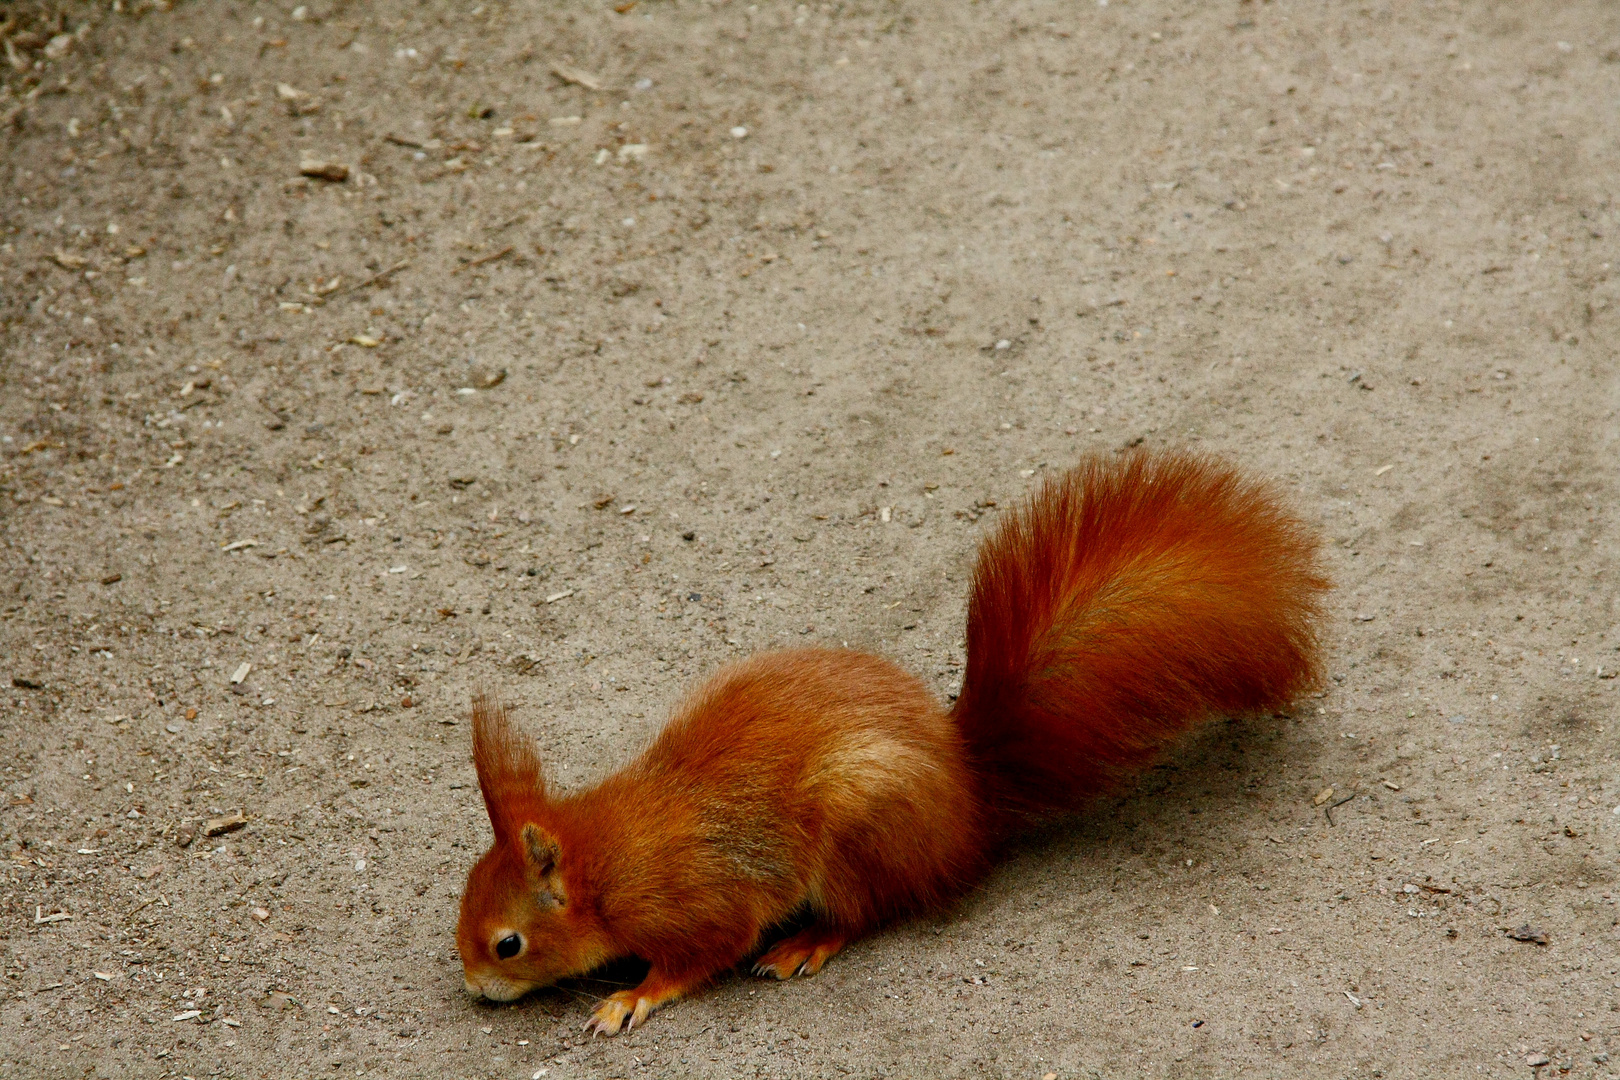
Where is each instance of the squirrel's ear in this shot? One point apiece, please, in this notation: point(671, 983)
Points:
point(508, 767)
point(542, 851)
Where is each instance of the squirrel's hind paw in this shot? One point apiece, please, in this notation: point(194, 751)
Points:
point(801, 954)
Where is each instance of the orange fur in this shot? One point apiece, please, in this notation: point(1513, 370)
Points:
point(1129, 600)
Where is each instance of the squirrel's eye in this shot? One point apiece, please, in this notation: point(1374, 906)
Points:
point(508, 946)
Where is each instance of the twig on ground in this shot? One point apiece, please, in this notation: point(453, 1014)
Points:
point(1328, 809)
point(480, 261)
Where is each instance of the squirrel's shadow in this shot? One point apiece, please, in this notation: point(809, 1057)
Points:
point(1200, 798)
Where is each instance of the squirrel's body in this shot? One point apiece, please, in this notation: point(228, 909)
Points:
point(1127, 602)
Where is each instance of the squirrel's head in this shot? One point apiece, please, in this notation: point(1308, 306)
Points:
point(518, 930)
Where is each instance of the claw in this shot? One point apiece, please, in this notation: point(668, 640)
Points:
point(802, 954)
point(621, 1012)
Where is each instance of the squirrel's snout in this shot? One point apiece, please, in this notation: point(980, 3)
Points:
point(496, 987)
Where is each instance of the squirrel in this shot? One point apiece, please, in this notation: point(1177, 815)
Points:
point(1130, 599)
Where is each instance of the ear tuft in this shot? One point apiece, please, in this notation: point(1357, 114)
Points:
point(508, 768)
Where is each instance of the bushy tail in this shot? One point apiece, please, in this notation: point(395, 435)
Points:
point(1130, 599)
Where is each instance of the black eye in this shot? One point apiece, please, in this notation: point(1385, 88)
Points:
point(508, 946)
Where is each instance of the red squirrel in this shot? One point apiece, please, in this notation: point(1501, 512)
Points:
point(1130, 599)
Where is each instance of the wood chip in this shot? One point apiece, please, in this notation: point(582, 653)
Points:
point(330, 171)
point(556, 596)
point(241, 672)
point(1322, 796)
point(221, 825)
point(238, 545)
point(42, 919)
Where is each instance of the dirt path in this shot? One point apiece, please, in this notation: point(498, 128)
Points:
point(638, 338)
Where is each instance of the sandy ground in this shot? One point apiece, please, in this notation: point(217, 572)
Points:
point(639, 338)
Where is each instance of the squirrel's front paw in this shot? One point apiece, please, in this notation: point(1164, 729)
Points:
point(620, 1012)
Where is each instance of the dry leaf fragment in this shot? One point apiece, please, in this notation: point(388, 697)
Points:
point(1322, 796)
point(576, 76)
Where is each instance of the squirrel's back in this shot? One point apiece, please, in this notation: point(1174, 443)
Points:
point(830, 777)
